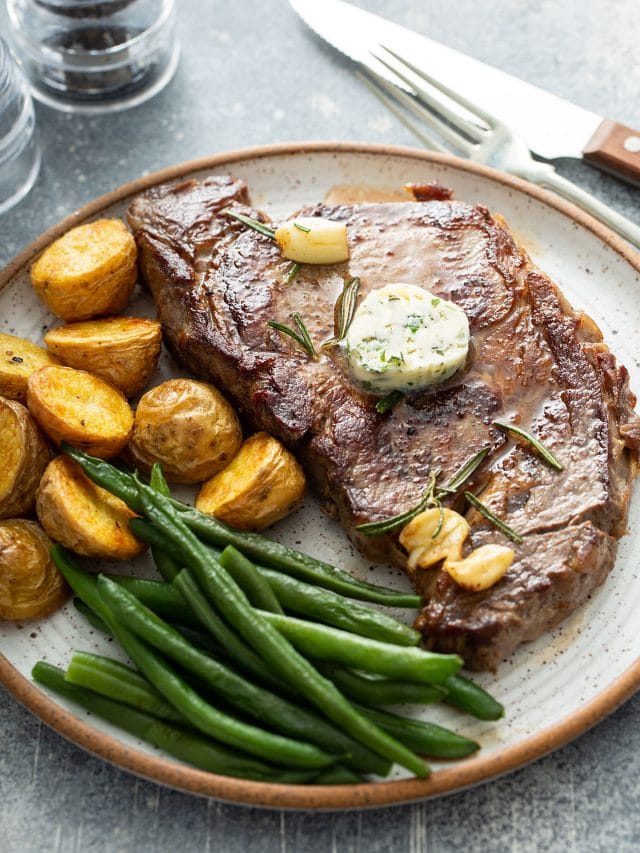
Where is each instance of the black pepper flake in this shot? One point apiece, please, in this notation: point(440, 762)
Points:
point(17, 359)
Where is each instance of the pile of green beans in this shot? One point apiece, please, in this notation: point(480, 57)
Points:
point(242, 624)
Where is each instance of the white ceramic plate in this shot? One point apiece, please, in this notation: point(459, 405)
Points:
point(553, 689)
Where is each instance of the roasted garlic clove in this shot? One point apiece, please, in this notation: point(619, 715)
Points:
point(424, 548)
point(313, 240)
point(482, 568)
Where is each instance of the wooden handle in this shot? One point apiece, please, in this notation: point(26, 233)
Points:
point(615, 148)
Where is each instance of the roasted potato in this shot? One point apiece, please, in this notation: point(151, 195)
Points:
point(24, 454)
point(122, 350)
point(30, 584)
point(75, 406)
point(19, 358)
point(82, 516)
point(89, 271)
point(187, 426)
point(262, 484)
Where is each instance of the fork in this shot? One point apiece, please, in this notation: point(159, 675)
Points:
point(478, 136)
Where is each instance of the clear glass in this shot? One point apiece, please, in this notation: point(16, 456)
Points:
point(19, 153)
point(95, 55)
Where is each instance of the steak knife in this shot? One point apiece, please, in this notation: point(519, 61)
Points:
point(551, 126)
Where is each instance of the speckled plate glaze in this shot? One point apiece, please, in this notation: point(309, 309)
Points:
point(553, 689)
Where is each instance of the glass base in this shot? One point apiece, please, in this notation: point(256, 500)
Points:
point(127, 97)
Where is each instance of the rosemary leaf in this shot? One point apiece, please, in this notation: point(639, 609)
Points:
point(260, 227)
point(347, 306)
point(294, 269)
point(304, 334)
point(385, 404)
point(301, 337)
point(301, 227)
point(464, 472)
point(546, 454)
point(497, 522)
point(379, 528)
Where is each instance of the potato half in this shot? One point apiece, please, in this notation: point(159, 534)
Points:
point(262, 484)
point(30, 584)
point(122, 350)
point(82, 516)
point(75, 406)
point(24, 454)
point(89, 271)
point(19, 358)
point(187, 426)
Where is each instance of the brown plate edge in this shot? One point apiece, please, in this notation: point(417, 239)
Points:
point(335, 797)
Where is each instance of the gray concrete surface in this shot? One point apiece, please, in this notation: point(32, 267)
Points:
point(251, 74)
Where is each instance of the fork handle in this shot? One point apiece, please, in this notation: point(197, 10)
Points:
point(546, 176)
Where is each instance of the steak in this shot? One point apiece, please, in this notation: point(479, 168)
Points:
point(533, 361)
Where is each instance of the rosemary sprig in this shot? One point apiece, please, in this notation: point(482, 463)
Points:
point(301, 227)
point(430, 498)
point(379, 528)
point(260, 227)
point(301, 337)
point(294, 269)
point(497, 522)
point(546, 454)
point(346, 307)
point(385, 404)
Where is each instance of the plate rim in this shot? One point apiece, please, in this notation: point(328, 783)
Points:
point(317, 797)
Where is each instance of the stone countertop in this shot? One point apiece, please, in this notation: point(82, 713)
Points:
point(251, 74)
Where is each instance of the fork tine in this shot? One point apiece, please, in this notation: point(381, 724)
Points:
point(390, 98)
point(450, 123)
point(490, 120)
point(415, 105)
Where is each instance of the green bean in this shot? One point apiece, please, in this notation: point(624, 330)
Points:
point(163, 598)
point(332, 644)
point(266, 552)
point(371, 690)
point(470, 697)
point(267, 641)
point(186, 746)
point(117, 681)
point(326, 606)
point(249, 579)
point(175, 690)
point(257, 548)
point(423, 737)
point(157, 480)
point(236, 649)
point(273, 711)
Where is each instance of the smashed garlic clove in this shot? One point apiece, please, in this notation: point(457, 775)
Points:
point(313, 240)
point(482, 568)
point(424, 549)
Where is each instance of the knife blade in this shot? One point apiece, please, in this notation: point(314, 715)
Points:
point(551, 126)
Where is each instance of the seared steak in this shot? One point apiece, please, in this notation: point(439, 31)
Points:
point(533, 360)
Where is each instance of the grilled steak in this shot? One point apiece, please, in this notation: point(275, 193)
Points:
point(533, 361)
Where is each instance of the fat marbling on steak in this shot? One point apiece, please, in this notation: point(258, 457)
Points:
point(533, 361)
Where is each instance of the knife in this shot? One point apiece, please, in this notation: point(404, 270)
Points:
point(551, 126)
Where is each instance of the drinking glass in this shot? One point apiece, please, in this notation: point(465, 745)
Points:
point(19, 153)
point(95, 55)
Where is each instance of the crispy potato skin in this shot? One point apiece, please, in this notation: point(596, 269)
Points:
point(262, 484)
point(121, 350)
point(24, 454)
point(89, 271)
point(78, 407)
point(30, 584)
point(19, 358)
point(82, 516)
point(187, 426)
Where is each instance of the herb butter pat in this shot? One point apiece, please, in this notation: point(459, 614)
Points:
point(403, 337)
